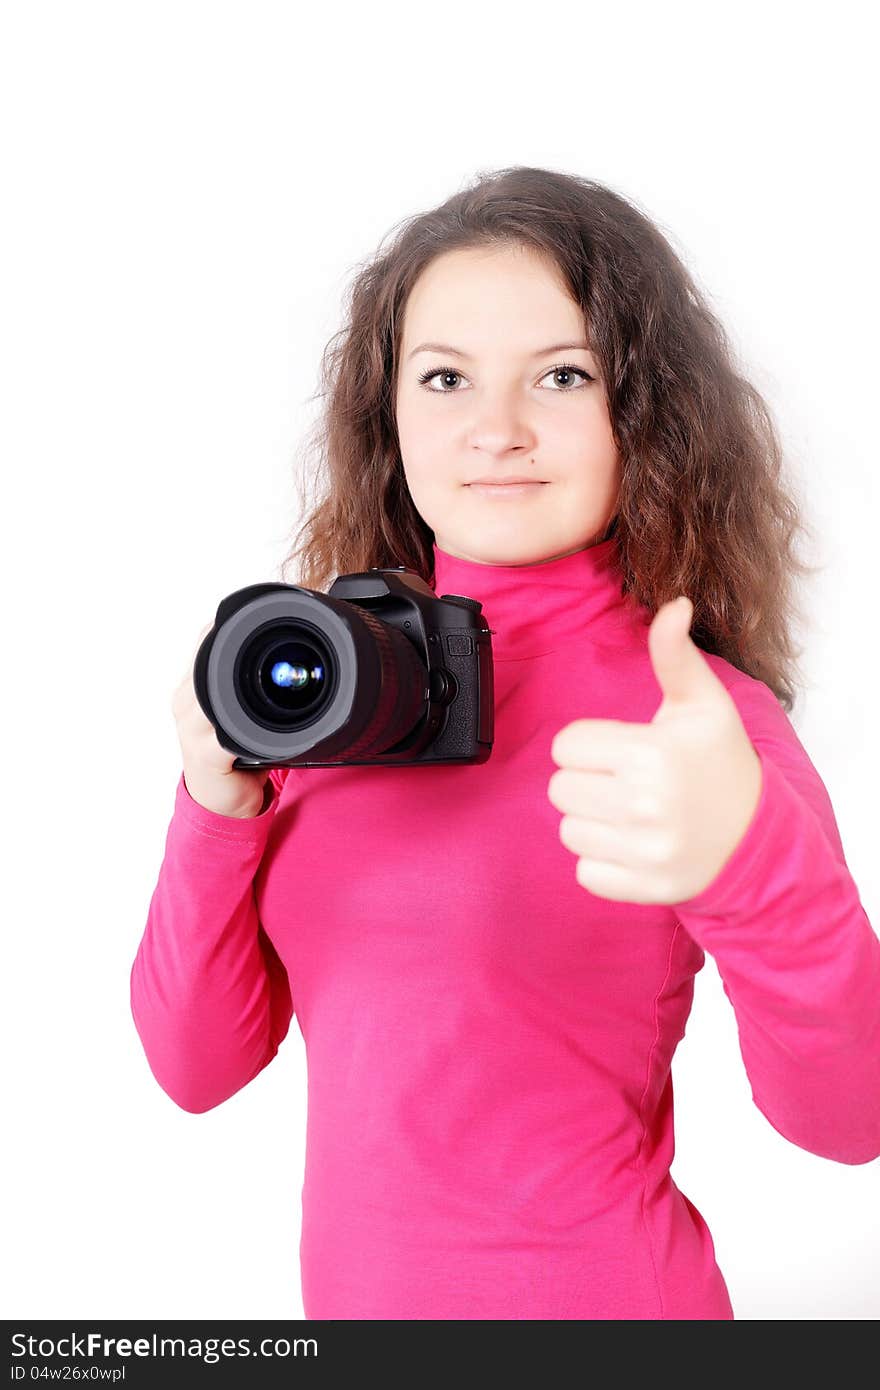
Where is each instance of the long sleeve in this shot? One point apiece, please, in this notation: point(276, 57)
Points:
point(798, 958)
point(210, 997)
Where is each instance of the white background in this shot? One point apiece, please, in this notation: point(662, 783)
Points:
point(188, 189)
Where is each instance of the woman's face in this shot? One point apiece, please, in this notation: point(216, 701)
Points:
point(500, 405)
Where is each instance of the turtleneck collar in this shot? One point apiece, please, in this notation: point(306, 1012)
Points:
point(535, 609)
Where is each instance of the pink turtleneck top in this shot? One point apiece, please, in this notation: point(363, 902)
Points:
point(489, 1044)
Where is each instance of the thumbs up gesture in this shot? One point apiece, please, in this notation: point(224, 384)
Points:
point(654, 811)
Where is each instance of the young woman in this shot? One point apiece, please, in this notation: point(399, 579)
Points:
point(492, 965)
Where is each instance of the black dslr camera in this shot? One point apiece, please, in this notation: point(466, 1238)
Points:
point(377, 671)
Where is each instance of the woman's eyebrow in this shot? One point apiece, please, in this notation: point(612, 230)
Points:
point(457, 352)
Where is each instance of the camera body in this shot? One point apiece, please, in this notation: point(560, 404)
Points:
point(378, 671)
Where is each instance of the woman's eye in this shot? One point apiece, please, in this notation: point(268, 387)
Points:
point(441, 372)
point(569, 370)
point(566, 369)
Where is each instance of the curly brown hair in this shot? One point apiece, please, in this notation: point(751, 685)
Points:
point(704, 508)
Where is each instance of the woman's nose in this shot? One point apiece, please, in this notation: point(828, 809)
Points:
point(500, 424)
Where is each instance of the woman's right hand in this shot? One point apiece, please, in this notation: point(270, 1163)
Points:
point(208, 773)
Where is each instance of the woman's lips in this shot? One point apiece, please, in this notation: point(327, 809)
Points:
point(505, 489)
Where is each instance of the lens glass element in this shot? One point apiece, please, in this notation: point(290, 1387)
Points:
point(283, 676)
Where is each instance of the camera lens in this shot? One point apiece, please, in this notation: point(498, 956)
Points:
point(289, 670)
point(284, 675)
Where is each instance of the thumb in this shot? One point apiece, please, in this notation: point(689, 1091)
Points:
point(681, 670)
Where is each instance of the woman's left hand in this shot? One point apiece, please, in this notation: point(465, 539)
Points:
point(654, 811)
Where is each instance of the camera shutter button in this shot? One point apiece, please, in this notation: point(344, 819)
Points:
point(465, 602)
